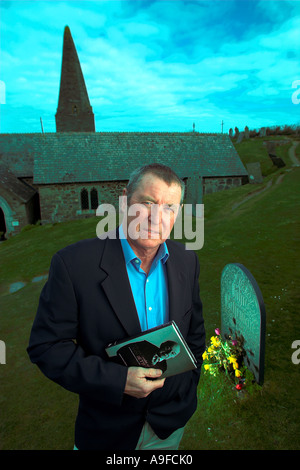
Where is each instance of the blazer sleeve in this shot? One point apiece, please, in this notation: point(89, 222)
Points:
point(53, 346)
point(196, 335)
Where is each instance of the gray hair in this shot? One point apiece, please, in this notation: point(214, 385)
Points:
point(163, 172)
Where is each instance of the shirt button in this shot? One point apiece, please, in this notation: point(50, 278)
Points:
point(150, 308)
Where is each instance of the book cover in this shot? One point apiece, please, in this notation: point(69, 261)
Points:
point(162, 348)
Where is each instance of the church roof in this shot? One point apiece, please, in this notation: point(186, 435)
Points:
point(107, 156)
point(13, 185)
point(70, 157)
point(17, 151)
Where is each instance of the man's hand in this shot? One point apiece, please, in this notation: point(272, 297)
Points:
point(139, 383)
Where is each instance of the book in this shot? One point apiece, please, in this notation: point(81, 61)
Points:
point(162, 347)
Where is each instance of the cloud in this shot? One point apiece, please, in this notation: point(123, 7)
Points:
point(156, 64)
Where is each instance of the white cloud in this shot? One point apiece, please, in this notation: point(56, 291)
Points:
point(161, 62)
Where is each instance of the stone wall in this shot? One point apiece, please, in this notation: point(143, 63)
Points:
point(15, 213)
point(212, 185)
point(62, 202)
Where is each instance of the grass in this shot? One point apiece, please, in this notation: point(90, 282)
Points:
point(254, 150)
point(262, 234)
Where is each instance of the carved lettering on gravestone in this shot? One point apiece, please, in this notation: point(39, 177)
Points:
point(243, 315)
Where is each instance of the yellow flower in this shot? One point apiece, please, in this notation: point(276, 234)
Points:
point(215, 341)
point(237, 373)
point(206, 367)
point(204, 355)
point(232, 359)
point(235, 366)
point(210, 349)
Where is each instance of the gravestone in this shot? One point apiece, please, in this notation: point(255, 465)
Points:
point(240, 137)
point(254, 173)
point(271, 149)
point(243, 315)
point(277, 161)
point(247, 132)
point(262, 132)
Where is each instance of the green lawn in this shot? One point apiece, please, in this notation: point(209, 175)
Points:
point(262, 234)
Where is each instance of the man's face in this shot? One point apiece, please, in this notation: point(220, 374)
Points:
point(152, 212)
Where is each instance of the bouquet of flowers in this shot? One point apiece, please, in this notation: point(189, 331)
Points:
point(225, 356)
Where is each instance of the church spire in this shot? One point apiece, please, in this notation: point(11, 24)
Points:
point(74, 112)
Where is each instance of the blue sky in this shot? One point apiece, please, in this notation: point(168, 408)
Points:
point(153, 65)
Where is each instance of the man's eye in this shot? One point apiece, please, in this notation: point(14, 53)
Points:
point(168, 208)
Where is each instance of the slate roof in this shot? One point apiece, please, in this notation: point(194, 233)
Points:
point(18, 151)
point(69, 157)
point(12, 184)
point(108, 156)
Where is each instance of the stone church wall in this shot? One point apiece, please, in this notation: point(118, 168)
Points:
point(16, 213)
point(212, 185)
point(62, 202)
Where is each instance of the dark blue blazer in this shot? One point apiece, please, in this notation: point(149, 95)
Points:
point(86, 304)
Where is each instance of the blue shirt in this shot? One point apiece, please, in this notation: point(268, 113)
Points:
point(150, 292)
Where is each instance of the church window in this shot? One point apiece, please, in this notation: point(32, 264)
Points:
point(84, 197)
point(94, 198)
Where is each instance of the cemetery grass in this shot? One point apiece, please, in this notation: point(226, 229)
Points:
point(262, 234)
point(251, 150)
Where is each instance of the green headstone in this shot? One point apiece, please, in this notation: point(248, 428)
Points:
point(254, 173)
point(243, 314)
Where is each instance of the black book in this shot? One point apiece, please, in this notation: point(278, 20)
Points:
point(162, 347)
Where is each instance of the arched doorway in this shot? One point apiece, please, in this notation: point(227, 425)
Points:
point(2, 225)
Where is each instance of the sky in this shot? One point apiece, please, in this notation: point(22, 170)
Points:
point(154, 65)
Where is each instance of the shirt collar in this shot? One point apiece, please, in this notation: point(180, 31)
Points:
point(129, 254)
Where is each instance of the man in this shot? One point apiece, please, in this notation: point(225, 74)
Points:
point(102, 290)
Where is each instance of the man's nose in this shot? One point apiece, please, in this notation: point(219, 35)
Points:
point(156, 214)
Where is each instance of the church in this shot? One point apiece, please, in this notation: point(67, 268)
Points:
point(65, 175)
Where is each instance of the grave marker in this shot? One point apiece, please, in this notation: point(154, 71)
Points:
point(254, 173)
point(243, 314)
point(262, 132)
point(240, 137)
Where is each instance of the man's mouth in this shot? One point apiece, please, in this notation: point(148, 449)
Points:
point(151, 233)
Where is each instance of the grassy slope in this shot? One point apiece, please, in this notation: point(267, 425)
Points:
point(262, 234)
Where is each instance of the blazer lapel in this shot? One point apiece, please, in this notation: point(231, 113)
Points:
point(117, 287)
point(177, 287)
